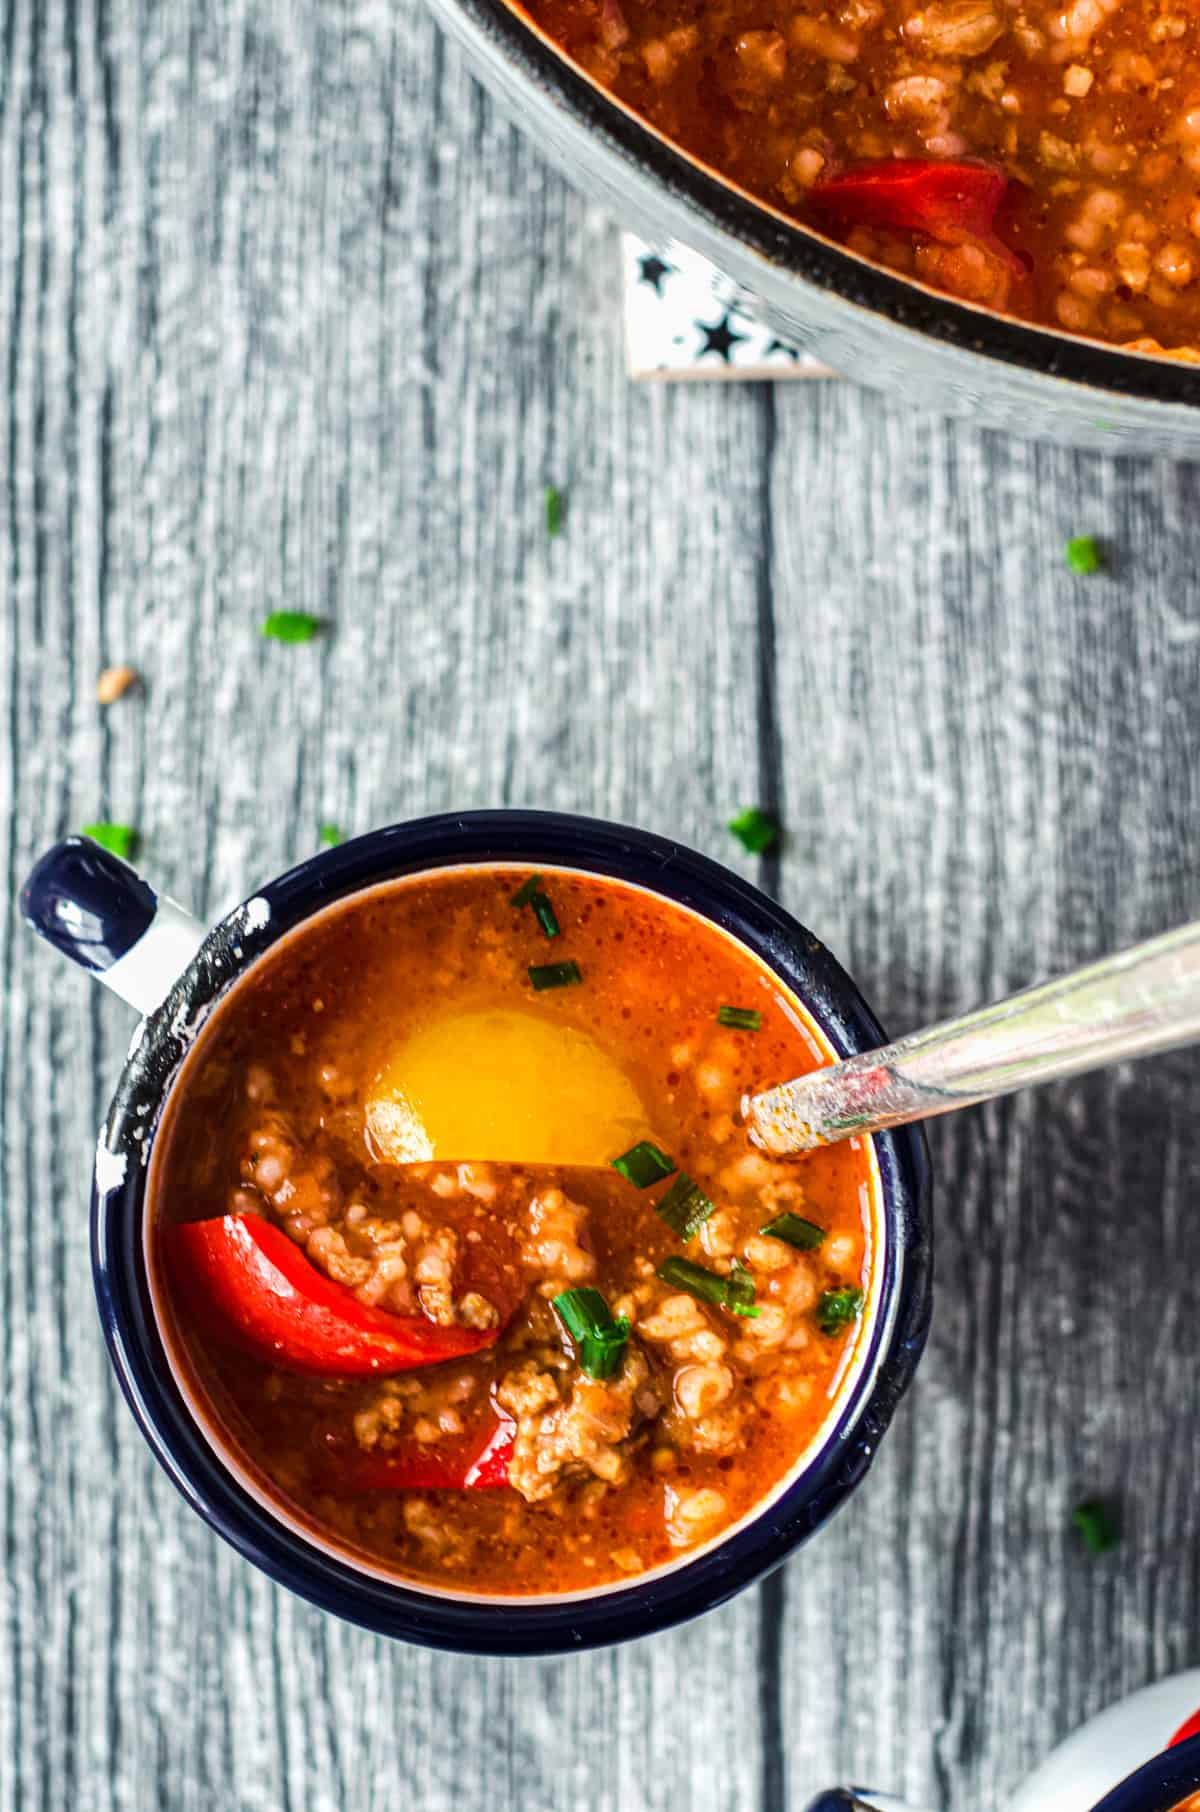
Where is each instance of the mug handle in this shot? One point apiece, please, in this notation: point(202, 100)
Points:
point(96, 909)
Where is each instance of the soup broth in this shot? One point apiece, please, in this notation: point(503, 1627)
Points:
point(400, 1271)
point(1038, 159)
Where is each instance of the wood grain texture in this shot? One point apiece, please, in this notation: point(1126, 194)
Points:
point(288, 316)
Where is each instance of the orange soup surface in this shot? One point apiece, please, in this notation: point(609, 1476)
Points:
point(400, 1272)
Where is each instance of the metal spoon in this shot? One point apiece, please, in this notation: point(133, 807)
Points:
point(1142, 1000)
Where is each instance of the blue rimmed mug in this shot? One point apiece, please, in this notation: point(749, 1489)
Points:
point(1102, 1767)
point(98, 911)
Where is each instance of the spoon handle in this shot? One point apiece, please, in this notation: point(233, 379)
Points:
point(1141, 1000)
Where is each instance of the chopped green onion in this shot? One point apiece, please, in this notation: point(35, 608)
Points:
point(742, 1019)
point(794, 1230)
point(120, 839)
point(291, 626)
point(1097, 1525)
point(837, 1309)
point(735, 1293)
point(684, 1207)
point(603, 1355)
point(554, 975)
point(644, 1164)
point(695, 1279)
point(741, 1292)
point(543, 912)
point(582, 1312)
point(330, 836)
point(754, 830)
point(554, 510)
point(1083, 555)
point(600, 1341)
point(532, 893)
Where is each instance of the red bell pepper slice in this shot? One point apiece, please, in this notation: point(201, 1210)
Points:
point(247, 1276)
point(1190, 1729)
point(951, 202)
point(473, 1463)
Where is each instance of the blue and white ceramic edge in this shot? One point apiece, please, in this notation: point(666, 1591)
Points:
point(1160, 1784)
point(1110, 1747)
point(96, 909)
point(1079, 1775)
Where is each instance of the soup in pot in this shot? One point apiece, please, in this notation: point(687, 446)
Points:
point(1039, 157)
point(459, 1242)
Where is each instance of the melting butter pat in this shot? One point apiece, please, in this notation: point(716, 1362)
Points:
point(507, 1084)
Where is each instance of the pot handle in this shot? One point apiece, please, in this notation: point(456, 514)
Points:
point(97, 910)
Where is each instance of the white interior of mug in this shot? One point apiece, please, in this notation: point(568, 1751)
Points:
point(269, 1498)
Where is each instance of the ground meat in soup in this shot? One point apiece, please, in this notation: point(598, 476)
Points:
point(597, 1477)
point(1090, 109)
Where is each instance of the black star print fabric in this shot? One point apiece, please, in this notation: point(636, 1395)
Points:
point(684, 319)
point(719, 338)
point(653, 271)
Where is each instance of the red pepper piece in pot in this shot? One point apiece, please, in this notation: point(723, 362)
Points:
point(951, 202)
point(952, 208)
point(247, 1276)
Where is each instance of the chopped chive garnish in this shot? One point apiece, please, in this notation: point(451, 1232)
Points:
point(754, 830)
point(695, 1279)
point(554, 510)
point(837, 1309)
point(543, 912)
point(644, 1164)
point(121, 839)
point(740, 1300)
point(1097, 1525)
point(330, 836)
point(742, 1019)
point(735, 1292)
point(684, 1207)
point(600, 1341)
point(554, 975)
point(1083, 554)
point(582, 1312)
point(794, 1230)
point(532, 893)
point(290, 626)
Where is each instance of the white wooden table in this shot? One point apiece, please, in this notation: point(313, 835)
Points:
point(288, 317)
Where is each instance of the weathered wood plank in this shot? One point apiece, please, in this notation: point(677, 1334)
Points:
point(990, 765)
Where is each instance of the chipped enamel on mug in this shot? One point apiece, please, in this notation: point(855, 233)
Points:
point(1142, 1755)
point(97, 910)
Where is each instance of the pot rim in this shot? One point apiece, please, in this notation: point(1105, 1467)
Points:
point(161, 1044)
point(730, 215)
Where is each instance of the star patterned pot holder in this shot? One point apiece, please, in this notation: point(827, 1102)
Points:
point(685, 320)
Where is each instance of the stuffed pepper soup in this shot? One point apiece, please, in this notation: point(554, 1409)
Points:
point(460, 1249)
